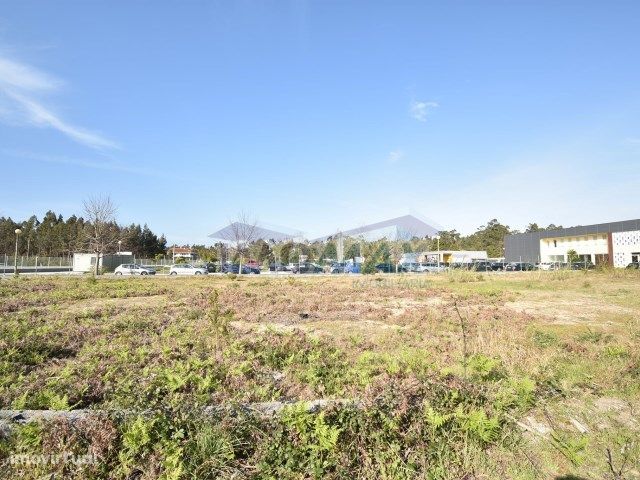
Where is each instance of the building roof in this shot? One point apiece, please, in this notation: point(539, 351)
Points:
point(611, 227)
point(248, 233)
point(175, 249)
point(406, 226)
point(526, 246)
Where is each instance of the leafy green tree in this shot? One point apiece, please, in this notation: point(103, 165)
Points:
point(285, 252)
point(572, 256)
point(7, 235)
point(449, 240)
point(352, 251)
point(330, 251)
point(53, 236)
point(489, 237)
point(260, 251)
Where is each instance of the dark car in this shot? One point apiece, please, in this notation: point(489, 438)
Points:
point(634, 266)
point(235, 268)
point(481, 267)
point(337, 267)
point(389, 268)
point(230, 268)
point(582, 266)
point(278, 267)
point(210, 267)
point(520, 267)
point(458, 266)
point(306, 267)
point(498, 266)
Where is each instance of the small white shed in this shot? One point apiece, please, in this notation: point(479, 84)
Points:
point(86, 262)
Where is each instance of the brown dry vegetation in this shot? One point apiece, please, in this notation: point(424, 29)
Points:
point(550, 382)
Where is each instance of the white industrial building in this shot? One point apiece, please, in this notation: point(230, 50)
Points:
point(616, 244)
point(454, 256)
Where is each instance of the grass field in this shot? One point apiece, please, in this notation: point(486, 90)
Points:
point(463, 375)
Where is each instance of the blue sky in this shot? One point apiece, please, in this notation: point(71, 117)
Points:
point(321, 115)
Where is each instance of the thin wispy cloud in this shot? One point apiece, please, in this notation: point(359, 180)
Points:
point(102, 164)
point(421, 110)
point(395, 156)
point(20, 88)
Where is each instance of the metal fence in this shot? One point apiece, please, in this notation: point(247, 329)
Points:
point(35, 261)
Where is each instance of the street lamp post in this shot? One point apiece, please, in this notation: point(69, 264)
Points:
point(15, 257)
point(438, 239)
point(119, 245)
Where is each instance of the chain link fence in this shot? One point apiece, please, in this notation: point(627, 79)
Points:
point(35, 261)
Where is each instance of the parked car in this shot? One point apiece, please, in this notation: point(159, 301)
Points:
point(520, 267)
point(186, 269)
point(253, 264)
point(459, 266)
point(430, 267)
point(253, 269)
point(587, 265)
point(210, 267)
point(278, 267)
point(558, 265)
point(410, 266)
point(235, 268)
point(337, 267)
point(306, 267)
point(133, 269)
point(498, 266)
point(544, 266)
point(389, 268)
point(352, 268)
point(481, 267)
point(230, 268)
point(634, 266)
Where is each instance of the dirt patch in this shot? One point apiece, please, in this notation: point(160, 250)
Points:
point(335, 328)
point(620, 411)
point(91, 304)
point(577, 311)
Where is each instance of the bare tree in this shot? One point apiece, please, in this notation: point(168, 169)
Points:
point(396, 253)
point(100, 232)
point(241, 233)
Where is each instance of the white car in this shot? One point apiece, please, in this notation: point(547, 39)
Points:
point(133, 269)
point(430, 267)
point(186, 269)
point(545, 266)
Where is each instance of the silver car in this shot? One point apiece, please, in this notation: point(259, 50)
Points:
point(186, 269)
point(133, 269)
point(430, 268)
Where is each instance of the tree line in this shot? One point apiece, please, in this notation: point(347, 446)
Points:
point(55, 236)
point(488, 237)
